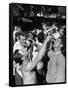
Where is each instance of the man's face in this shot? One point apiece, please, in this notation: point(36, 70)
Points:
point(57, 42)
point(23, 40)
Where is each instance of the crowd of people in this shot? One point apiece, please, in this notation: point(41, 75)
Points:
point(39, 55)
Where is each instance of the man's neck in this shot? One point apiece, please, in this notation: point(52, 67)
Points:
point(57, 52)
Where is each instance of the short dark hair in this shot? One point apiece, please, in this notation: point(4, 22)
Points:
point(41, 37)
point(18, 34)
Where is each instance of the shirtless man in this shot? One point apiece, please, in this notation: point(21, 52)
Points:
point(29, 75)
point(56, 65)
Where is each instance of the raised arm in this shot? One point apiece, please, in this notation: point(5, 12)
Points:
point(41, 53)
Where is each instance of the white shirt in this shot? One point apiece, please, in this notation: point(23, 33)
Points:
point(17, 46)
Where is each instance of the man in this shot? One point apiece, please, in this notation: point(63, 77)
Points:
point(27, 67)
point(56, 65)
point(21, 42)
point(18, 51)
